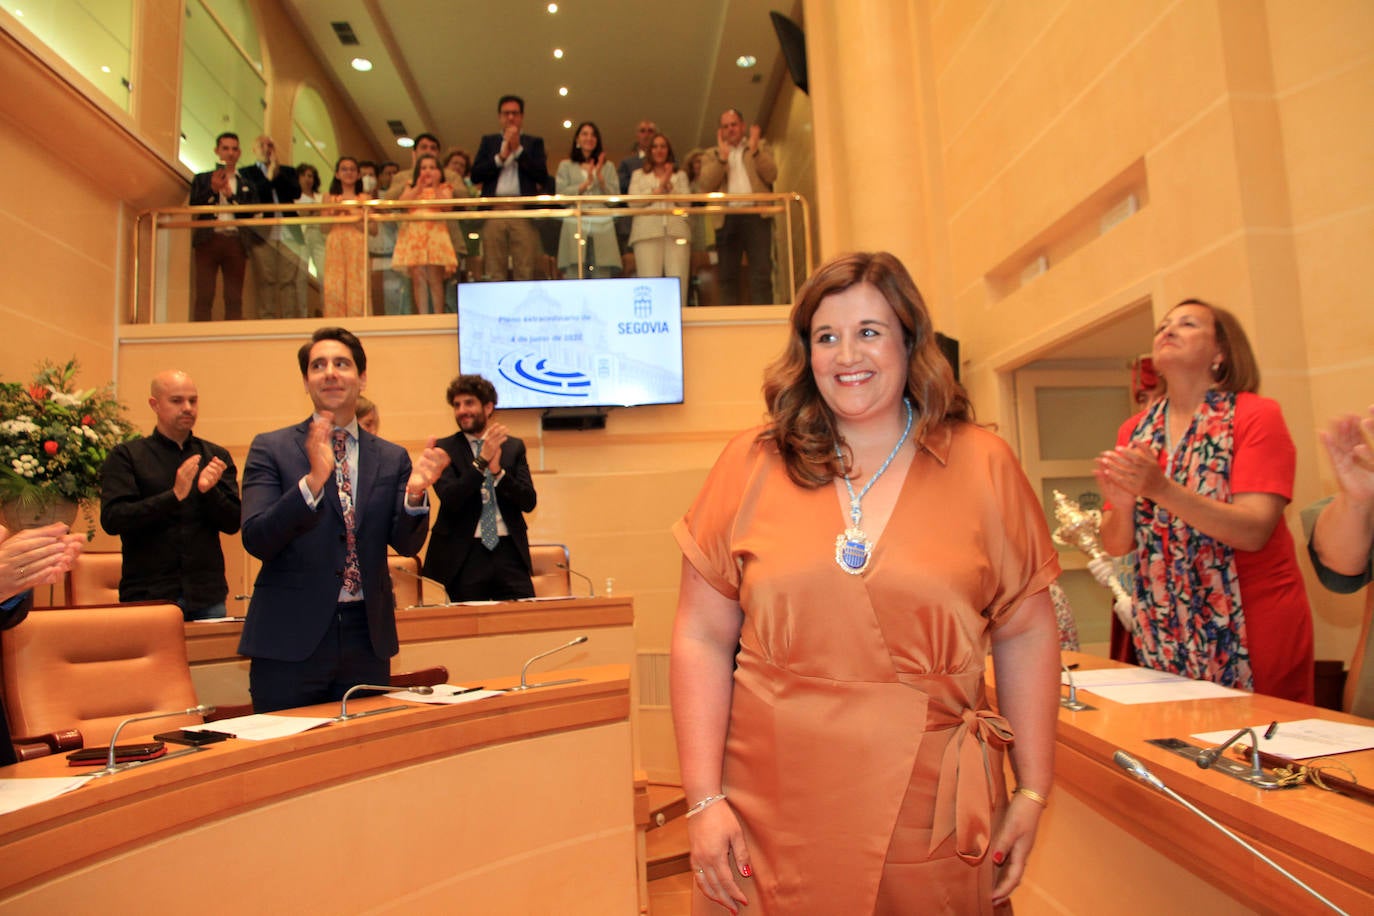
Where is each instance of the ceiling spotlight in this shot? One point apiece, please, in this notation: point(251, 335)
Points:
point(567, 125)
point(405, 142)
point(361, 64)
point(557, 53)
point(745, 61)
point(562, 90)
point(553, 7)
point(104, 69)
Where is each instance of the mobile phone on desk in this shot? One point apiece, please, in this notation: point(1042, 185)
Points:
point(193, 737)
point(124, 753)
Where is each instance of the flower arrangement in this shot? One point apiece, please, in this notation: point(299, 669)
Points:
point(54, 438)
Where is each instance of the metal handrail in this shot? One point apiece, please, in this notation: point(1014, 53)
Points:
point(461, 209)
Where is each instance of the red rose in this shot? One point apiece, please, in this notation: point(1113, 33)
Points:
point(50, 447)
point(87, 420)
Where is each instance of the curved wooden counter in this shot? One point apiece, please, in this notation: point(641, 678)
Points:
point(517, 803)
point(1088, 859)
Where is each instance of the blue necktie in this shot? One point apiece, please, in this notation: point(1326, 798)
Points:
point(487, 526)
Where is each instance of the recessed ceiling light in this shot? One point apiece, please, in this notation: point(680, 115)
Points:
point(104, 69)
point(361, 64)
point(557, 53)
point(562, 90)
point(404, 142)
point(553, 7)
point(567, 125)
point(745, 61)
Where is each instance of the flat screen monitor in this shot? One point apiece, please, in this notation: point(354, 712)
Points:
point(574, 343)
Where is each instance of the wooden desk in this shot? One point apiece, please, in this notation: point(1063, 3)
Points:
point(1088, 860)
point(475, 642)
point(521, 803)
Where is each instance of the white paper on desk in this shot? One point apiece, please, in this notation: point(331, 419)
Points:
point(262, 726)
point(446, 695)
point(1304, 739)
point(1103, 677)
point(20, 793)
point(1171, 691)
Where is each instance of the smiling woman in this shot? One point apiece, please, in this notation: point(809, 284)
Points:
point(785, 661)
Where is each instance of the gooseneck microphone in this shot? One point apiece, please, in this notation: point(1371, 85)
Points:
point(524, 685)
point(1141, 772)
point(443, 590)
point(1208, 756)
point(385, 688)
point(1072, 702)
point(591, 589)
point(111, 766)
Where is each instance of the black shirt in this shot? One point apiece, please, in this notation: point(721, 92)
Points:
point(171, 548)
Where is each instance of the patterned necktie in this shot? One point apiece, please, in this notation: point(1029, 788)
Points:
point(343, 480)
point(487, 527)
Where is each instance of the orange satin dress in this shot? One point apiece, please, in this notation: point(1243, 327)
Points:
point(862, 757)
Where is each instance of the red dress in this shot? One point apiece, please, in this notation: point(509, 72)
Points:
point(1278, 619)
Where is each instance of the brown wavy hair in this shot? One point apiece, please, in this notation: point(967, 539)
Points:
point(801, 424)
point(1239, 370)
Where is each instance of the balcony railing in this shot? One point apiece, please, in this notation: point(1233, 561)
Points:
point(165, 274)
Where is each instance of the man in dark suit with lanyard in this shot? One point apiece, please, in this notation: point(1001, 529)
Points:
point(322, 501)
point(480, 549)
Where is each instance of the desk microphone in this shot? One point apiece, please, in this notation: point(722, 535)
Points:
point(111, 766)
point(1208, 756)
point(443, 590)
point(1072, 702)
point(591, 589)
point(570, 680)
point(385, 688)
point(1141, 772)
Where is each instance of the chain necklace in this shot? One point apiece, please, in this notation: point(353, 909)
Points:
point(853, 549)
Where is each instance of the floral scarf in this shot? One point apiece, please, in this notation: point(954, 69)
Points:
point(1189, 618)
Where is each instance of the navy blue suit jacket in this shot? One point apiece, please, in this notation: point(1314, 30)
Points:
point(532, 166)
point(302, 549)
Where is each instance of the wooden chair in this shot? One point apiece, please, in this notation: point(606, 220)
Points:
point(549, 580)
point(405, 580)
point(94, 578)
point(88, 669)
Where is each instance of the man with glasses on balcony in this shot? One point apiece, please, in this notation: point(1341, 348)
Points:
point(741, 165)
point(275, 265)
point(510, 164)
point(223, 248)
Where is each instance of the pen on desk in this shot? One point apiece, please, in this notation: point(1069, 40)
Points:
point(466, 690)
point(1273, 727)
point(1072, 667)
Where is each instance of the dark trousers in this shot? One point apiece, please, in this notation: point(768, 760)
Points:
point(751, 235)
point(343, 659)
point(492, 575)
point(220, 252)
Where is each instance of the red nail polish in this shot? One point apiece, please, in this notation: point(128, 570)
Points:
point(746, 871)
point(997, 858)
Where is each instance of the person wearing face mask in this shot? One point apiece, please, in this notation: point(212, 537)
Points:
point(1195, 492)
point(480, 548)
point(587, 171)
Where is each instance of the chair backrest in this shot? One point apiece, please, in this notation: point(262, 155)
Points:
point(94, 578)
point(405, 580)
point(549, 580)
point(91, 668)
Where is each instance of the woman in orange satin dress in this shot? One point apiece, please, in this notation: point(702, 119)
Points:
point(838, 751)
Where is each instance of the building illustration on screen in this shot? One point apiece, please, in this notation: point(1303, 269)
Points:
point(574, 343)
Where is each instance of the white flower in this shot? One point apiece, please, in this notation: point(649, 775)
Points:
point(66, 400)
